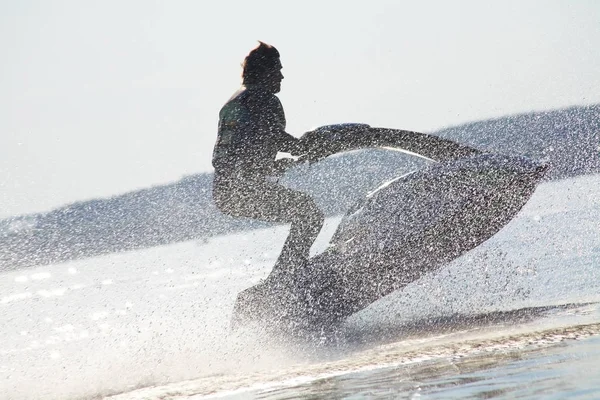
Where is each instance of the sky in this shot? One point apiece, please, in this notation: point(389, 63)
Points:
point(101, 98)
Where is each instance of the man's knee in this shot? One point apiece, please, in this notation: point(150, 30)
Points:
point(305, 204)
point(310, 214)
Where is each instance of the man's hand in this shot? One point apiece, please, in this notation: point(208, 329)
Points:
point(282, 165)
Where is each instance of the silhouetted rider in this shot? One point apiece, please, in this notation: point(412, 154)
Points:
point(251, 133)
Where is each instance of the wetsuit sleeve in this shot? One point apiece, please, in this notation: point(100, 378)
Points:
point(282, 140)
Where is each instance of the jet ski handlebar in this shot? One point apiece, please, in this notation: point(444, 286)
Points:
point(332, 139)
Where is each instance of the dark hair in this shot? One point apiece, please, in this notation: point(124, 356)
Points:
point(260, 63)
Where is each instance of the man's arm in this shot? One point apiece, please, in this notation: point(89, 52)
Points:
point(283, 141)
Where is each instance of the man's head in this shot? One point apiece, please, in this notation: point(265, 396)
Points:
point(262, 66)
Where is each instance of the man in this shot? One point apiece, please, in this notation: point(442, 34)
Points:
point(251, 133)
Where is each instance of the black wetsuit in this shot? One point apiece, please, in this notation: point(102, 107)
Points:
point(251, 133)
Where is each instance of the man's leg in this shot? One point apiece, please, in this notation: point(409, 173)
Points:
point(269, 201)
point(307, 222)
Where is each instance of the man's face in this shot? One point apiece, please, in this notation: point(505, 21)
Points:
point(275, 81)
point(274, 78)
